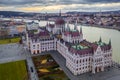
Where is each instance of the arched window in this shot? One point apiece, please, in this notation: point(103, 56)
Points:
point(83, 60)
point(38, 46)
point(89, 59)
point(77, 61)
point(80, 60)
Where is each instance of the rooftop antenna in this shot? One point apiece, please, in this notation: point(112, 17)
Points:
point(109, 41)
point(100, 40)
point(60, 13)
point(75, 25)
point(81, 29)
point(100, 14)
point(68, 28)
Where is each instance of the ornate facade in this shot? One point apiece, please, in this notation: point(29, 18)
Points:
point(81, 56)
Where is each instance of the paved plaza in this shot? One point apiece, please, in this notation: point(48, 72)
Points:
point(11, 52)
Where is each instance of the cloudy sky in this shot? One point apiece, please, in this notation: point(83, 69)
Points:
point(56, 5)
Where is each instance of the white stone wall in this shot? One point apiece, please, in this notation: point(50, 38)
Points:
point(38, 47)
point(62, 49)
point(79, 64)
point(108, 58)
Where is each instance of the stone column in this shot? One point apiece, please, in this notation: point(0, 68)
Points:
point(102, 68)
point(97, 69)
point(35, 51)
point(93, 70)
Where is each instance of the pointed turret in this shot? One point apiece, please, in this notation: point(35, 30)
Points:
point(60, 13)
point(100, 40)
point(47, 23)
point(109, 41)
point(75, 26)
point(68, 28)
point(81, 29)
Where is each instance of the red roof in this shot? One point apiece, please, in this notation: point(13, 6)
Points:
point(40, 34)
point(81, 52)
point(106, 47)
point(59, 21)
point(66, 33)
point(94, 46)
point(45, 33)
point(73, 34)
point(51, 25)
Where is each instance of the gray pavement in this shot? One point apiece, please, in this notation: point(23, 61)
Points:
point(33, 73)
point(30, 64)
point(11, 52)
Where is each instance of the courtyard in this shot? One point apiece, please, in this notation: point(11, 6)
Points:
point(48, 69)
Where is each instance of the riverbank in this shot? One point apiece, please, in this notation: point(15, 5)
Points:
point(100, 26)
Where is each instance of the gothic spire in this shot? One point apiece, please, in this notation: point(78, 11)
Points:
point(81, 29)
point(100, 40)
point(68, 28)
point(47, 23)
point(60, 13)
point(75, 25)
point(109, 41)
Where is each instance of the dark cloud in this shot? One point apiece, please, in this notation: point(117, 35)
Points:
point(102, 1)
point(88, 5)
point(51, 2)
point(15, 2)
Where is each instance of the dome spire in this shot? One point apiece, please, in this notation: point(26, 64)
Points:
point(109, 41)
point(75, 25)
point(100, 40)
point(81, 29)
point(60, 13)
point(68, 28)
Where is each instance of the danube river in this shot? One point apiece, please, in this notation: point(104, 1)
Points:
point(93, 34)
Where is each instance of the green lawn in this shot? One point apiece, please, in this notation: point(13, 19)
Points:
point(7, 41)
point(13, 71)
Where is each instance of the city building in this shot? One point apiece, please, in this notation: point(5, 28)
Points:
point(81, 55)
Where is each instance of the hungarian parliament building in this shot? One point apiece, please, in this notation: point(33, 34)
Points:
point(81, 55)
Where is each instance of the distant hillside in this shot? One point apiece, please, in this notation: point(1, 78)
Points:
point(112, 12)
point(24, 14)
point(12, 13)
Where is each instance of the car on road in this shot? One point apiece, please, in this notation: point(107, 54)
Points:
point(31, 68)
